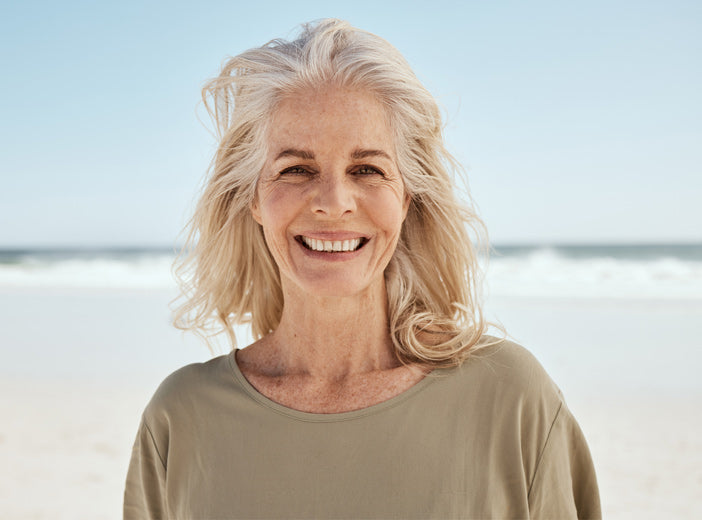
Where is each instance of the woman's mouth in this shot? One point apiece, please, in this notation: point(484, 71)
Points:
point(332, 246)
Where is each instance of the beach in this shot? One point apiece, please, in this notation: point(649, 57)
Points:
point(83, 352)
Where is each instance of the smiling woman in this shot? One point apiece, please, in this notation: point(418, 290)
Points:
point(330, 223)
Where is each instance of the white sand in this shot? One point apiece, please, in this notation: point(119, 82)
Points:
point(648, 455)
point(64, 448)
point(80, 365)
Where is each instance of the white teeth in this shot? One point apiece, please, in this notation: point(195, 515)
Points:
point(329, 246)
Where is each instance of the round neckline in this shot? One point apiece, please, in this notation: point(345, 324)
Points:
point(326, 417)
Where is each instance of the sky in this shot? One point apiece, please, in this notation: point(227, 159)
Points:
point(576, 122)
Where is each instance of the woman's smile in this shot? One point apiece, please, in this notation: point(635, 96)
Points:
point(332, 246)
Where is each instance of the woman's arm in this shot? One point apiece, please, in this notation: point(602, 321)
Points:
point(144, 494)
point(564, 483)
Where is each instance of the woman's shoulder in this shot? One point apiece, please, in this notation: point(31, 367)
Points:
point(502, 349)
point(508, 370)
point(505, 354)
point(522, 402)
point(187, 387)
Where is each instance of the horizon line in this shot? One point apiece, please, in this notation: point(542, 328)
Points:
point(125, 248)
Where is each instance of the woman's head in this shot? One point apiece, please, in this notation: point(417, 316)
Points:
point(230, 275)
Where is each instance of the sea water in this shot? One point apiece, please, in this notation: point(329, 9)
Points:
point(671, 271)
point(598, 271)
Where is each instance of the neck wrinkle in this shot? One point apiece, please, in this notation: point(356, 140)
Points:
point(334, 338)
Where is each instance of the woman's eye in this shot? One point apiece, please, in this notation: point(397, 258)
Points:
point(294, 170)
point(368, 170)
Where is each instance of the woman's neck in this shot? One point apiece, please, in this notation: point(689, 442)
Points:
point(329, 338)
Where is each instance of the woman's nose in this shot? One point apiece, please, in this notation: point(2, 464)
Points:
point(334, 197)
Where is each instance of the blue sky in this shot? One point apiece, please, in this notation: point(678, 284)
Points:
point(576, 122)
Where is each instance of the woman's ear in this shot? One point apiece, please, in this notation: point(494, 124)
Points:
point(255, 212)
point(405, 206)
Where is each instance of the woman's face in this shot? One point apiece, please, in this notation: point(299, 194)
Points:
point(330, 198)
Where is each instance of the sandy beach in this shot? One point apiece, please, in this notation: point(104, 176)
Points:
point(80, 364)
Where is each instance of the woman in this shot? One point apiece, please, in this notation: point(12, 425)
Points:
point(330, 224)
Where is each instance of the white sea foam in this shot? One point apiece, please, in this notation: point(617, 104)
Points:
point(549, 273)
point(535, 272)
point(135, 272)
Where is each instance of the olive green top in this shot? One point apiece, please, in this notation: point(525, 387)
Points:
point(492, 438)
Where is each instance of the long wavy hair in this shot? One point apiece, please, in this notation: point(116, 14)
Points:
point(226, 272)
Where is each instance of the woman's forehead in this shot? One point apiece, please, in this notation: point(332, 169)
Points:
point(329, 99)
point(332, 116)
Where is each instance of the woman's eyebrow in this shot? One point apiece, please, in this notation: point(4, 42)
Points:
point(362, 154)
point(293, 152)
point(356, 155)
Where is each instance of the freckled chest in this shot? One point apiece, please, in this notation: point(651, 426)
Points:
point(303, 394)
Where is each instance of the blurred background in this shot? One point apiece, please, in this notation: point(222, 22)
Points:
point(578, 126)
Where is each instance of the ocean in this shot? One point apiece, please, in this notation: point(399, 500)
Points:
point(659, 271)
